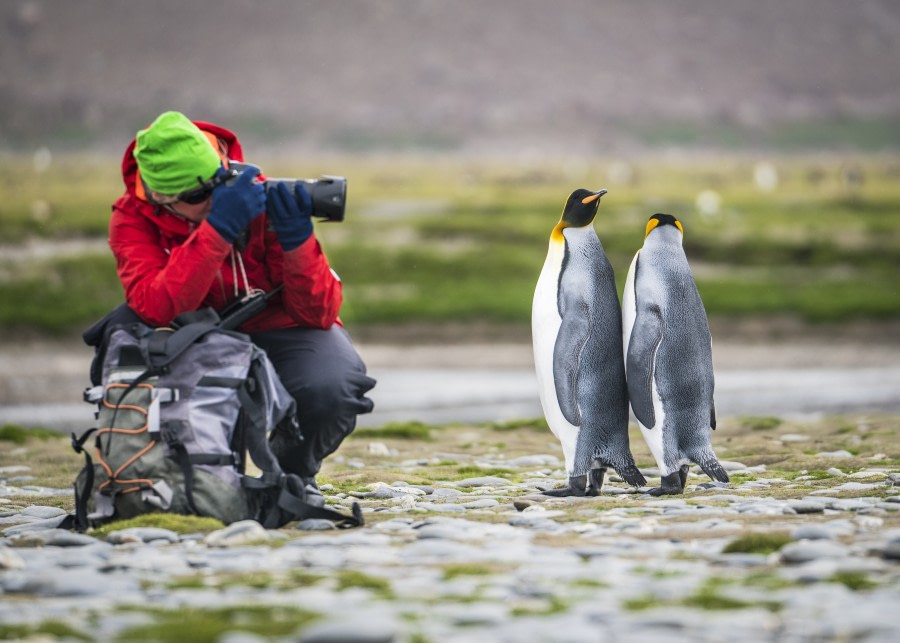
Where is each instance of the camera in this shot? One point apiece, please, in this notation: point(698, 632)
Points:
point(328, 193)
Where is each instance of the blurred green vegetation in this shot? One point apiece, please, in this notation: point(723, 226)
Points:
point(433, 238)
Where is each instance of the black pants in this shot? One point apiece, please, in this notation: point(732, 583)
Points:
point(326, 376)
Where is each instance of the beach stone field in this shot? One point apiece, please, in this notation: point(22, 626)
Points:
point(460, 545)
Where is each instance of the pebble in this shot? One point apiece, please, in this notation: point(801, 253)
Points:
point(805, 551)
point(484, 481)
point(315, 524)
point(10, 560)
point(141, 535)
point(238, 533)
point(813, 532)
point(806, 506)
point(485, 558)
point(43, 512)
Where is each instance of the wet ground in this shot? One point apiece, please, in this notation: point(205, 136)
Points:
point(795, 373)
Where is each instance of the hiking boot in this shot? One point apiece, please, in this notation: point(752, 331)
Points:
point(290, 449)
point(314, 497)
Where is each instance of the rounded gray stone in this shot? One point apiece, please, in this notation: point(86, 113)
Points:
point(357, 629)
point(813, 532)
point(807, 550)
point(891, 550)
point(63, 538)
point(315, 524)
point(807, 506)
point(39, 511)
point(36, 525)
point(141, 534)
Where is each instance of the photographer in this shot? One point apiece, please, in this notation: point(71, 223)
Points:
point(189, 234)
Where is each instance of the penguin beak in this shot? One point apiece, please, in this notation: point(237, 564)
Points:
point(593, 197)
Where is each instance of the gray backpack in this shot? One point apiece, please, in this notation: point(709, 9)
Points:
point(177, 412)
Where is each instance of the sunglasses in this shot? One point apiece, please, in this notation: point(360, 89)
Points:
point(191, 197)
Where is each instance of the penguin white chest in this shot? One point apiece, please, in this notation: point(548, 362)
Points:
point(545, 325)
point(653, 435)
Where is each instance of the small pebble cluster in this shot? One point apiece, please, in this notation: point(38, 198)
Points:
point(485, 559)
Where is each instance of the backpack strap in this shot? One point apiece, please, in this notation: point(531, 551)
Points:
point(296, 508)
point(164, 346)
point(79, 520)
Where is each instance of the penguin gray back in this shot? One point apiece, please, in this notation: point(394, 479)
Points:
point(669, 304)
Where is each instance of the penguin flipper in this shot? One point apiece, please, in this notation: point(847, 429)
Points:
point(640, 363)
point(572, 336)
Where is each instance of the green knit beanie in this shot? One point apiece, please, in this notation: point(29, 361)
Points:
point(172, 154)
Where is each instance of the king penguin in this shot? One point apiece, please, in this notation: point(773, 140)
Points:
point(577, 338)
point(668, 357)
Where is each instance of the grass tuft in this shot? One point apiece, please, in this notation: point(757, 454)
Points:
point(857, 581)
point(209, 625)
point(20, 434)
point(173, 522)
point(348, 578)
point(396, 430)
point(758, 543)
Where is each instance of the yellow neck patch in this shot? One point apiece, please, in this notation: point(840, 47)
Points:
point(557, 234)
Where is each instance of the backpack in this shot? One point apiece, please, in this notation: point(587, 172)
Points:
point(177, 410)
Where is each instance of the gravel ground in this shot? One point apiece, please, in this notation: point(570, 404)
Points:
point(460, 545)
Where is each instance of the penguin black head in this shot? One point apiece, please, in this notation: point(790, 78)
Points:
point(660, 219)
point(581, 208)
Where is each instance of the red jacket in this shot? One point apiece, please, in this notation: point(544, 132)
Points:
point(169, 265)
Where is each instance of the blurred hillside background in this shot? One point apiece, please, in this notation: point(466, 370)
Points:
point(497, 76)
point(771, 128)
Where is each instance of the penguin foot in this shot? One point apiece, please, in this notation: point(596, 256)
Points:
point(595, 481)
point(576, 487)
point(671, 485)
point(683, 474)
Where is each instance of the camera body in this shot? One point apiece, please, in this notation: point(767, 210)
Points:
point(328, 193)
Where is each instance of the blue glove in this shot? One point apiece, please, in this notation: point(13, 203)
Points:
point(290, 213)
point(236, 203)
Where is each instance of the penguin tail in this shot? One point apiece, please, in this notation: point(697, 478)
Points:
point(711, 466)
point(622, 461)
point(630, 474)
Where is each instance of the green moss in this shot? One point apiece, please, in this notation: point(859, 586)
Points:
point(398, 430)
point(54, 630)
point(347, 578)
point(711, 598)
point(857, 581)
point(757, 543)
point(554, 605)
point(208, 625)
point(760, 423)
point(455, 570)
point(589, 583)
point(197, 581)
point(641, 603)
point(173, 522)
point(534, 424)
point(472, 470)
point(20, 434)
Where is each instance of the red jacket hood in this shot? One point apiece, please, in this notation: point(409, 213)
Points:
point(129, 175)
